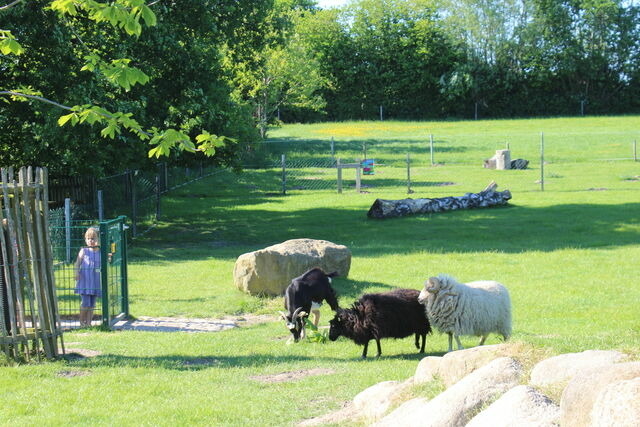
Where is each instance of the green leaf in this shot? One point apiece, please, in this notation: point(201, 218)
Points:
point(10, 46)
point(148, 16)
point(64, 119)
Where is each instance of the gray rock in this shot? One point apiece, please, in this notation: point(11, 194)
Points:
point(376, 400)
point(427, 370)
point(454, 366)
point(455, 406)
point(522, 406)
point(558, 370)
point(269, 271)
point(618, 405)
point(580, 394)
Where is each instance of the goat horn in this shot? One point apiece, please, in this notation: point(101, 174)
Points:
point(284, 316)
point(295, 313)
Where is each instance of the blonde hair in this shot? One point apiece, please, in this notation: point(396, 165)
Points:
point(92, 232)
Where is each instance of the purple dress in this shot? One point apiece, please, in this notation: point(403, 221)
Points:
point(89, 271)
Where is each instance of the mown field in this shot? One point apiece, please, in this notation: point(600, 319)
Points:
point(568, 255)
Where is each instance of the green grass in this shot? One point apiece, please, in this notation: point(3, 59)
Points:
point(568, 255)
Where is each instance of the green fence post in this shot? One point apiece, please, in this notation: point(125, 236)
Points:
point(124, 290)
point(104, 277)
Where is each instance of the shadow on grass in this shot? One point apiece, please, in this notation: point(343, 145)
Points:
point(226, 232)
point(197, 363)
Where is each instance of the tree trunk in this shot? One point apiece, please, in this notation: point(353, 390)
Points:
point(488, 197)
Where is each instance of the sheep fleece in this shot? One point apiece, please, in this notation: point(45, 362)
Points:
point(477, 309)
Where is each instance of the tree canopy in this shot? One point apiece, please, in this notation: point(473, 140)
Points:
point(209, 76)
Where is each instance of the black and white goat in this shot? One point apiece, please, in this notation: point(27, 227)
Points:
point(394, 314)
point(305, 292)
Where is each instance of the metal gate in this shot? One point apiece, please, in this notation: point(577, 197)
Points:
point(115, 297)
point(67, 240)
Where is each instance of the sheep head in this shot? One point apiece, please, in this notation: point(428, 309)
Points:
point(336, 325)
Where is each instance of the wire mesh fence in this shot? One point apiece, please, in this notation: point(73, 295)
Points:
point(567, 161)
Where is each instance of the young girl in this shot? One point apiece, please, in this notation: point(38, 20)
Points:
point(87, 268)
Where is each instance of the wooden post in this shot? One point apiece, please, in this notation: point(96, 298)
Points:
point(339, 168)
point(409, 174)
point(358, 167)
point(364, 149)
point(381, 113)
point(431, 147)
point(284, 175)
point(542, 161)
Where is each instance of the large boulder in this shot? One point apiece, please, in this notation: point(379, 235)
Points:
point(580, 395)
point(269, 271)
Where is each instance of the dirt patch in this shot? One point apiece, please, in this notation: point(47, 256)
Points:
point(71, 374)
point(292, 375)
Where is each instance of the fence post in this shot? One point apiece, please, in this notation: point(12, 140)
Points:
point(157, 197)
point(431, 147)
point(339, 168)
point(67, 227)
point(100, 206)
point(409, 174)
point(104, 274)
point(284, 175)
point(166, 177)
point(358, 175)
point(364, 149)
point(381, 113)
point(124, 290)
point(332, 148)
point(542, 161)
point(134, 209)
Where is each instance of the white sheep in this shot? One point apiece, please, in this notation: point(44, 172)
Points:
point(475, 308)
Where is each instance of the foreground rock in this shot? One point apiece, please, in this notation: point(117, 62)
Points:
point(269, 271)
point(455, 365)
point(520, 406)
point(584, 389)
point(618, 405)
point(600, 389)
point(558, 370)
point(455, 406)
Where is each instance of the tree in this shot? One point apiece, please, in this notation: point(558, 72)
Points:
point(51, 46)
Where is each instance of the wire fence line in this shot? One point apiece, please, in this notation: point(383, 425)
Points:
point(133, 193)
point(432, 164)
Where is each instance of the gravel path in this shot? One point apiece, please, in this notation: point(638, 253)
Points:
point(176, 324)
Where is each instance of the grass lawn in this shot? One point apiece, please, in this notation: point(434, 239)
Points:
point(568, 256)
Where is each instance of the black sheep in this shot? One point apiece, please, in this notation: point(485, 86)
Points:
point(394, 314)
